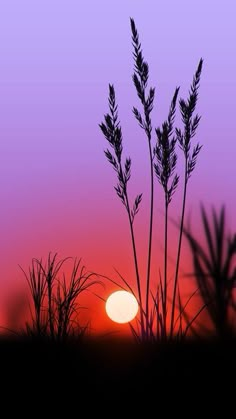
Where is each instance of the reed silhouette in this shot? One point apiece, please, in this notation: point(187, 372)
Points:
point(140, 79)
point(162, 155)
point(215, 271)
point(165, 165)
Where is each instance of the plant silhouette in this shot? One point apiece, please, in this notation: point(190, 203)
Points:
point(55, 299)
point(165, 165)
point(140, 79)
point(215, 271)
point(184, 138)
point(152, 323)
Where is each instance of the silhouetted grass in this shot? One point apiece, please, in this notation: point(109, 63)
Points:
point(215, 271)
point(113, 133)
point(163, 158)
point(55, 298)
point(140, 79)
point(37, 285)
point(165, 165)
point(191, 122)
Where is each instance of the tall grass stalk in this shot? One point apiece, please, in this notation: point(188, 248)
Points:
point(112, 131)
point(140, 79)
point(165, 165)
point(184, 138)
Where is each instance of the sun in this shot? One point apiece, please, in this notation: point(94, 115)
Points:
point(121, 306)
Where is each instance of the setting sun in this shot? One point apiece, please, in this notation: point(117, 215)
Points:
point(121, 306)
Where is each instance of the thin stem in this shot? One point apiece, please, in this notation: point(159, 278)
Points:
point(136, 267)
point(135, 256)
point(179, 248)
point(38, 319)
point(50, 311)
point(150, 235)
point(165, 268)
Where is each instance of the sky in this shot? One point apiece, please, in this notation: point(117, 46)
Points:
point(56, 187)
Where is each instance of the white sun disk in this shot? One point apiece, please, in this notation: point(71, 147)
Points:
point(121, 306)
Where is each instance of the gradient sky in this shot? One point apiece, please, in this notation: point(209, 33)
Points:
point(56, 188)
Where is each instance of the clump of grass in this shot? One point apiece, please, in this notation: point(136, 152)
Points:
point(55, 299)
point(214, 270)
point(163, 159)
point(37, 284)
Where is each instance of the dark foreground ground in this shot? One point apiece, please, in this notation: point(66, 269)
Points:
point(41, 379)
